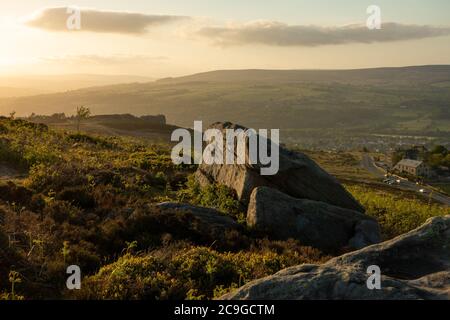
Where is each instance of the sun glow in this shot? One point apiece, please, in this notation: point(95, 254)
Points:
point(7, 62)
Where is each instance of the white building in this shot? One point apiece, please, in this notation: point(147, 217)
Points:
point(413, 167)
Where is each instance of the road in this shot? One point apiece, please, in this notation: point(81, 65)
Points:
point(368, 164)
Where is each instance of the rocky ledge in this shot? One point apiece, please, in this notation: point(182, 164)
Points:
point(415, 265)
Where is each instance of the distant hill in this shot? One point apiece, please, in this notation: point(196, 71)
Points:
point(412, 100)
point(6, 92)
point(402, 75)
point(15, 86)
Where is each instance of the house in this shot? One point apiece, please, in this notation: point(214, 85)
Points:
point(415, 152)
point(413, 167)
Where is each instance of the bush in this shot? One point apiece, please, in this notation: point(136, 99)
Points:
point(62, 211)
point(133, 277)
point(78, 196)
point(214, 196)
point(84, 138)
point(184, 273)
point(151, 228)
point(3, 129)
point(14, 194)
point(37, 127)
point(45, 178)
point(11, 156)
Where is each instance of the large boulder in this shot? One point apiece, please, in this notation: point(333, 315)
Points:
point(298, 176)
point(314, 223)
point(415, 265)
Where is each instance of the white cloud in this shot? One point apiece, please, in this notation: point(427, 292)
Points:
point(280, 34)
point(93, 59)
point(55, 19)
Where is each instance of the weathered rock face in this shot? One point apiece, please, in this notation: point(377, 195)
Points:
point(210, 218)
point(298, 176)
point(415, 265)
point(314, 223)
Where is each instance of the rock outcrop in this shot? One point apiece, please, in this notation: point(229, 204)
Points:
point(209, 218)
point(415, 265)
point(314, 223)
point(298, 176)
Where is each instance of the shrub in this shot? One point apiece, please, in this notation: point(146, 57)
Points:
point(62, 211)
point(3, 129)
point(43, 178)
point(132, 277)
point(396, 214)
point(13, 194)
point(84, 138)
point(152, 160)
point(187, 272)
point(37, 127)
point(11, 156)
point(78, 196)
point(214, 196)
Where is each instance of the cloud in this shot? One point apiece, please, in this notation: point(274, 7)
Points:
point(93, 59)
point(55, 19)
point(280, 34)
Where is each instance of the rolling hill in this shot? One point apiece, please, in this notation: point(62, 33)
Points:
point(415, 75)
point(409, 100)
point(18, 86)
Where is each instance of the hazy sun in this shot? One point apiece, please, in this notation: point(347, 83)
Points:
point(7, 61)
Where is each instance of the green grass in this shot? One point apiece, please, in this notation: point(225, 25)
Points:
point(395, 213)
point(342, 165)
point(443, 187)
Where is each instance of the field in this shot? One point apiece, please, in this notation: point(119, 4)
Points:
point(342, 165)
point(442, 187)
point(396, 212)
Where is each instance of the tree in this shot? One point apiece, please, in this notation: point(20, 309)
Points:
point(58, 116)
point(397, 157)
point(82, 113)
point(439, 150)
point(435, 160)
point(446, 161)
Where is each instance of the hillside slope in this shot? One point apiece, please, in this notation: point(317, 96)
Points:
point(389, 76)
point(407, 100)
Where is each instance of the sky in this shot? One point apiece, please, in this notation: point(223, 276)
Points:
point(157, 38)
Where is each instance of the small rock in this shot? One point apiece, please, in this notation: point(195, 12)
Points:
point(210, 217)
